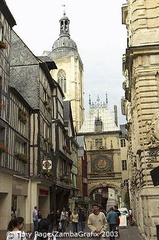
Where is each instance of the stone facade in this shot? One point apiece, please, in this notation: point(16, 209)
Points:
point(141, 105)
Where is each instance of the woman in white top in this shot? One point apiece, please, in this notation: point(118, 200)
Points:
point(15, 227)
point(74, 218)
point(63, 219)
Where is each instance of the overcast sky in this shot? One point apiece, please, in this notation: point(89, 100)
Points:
point(96, 28)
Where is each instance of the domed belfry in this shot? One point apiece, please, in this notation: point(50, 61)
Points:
point(69, 72)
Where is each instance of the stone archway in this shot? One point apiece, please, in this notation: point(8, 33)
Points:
point(103, 185)
point(110, 190)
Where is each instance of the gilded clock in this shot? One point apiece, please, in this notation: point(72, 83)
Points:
point(102, 163)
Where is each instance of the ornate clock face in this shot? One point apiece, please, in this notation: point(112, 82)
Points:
point(101, 163)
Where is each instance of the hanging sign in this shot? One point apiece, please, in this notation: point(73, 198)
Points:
point(47, 164)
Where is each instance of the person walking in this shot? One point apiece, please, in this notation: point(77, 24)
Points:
point(112, 218)
point(69, 214)
point(97, 222)
point(14, 228)
point(51, 218)
point(43, 231)
point(74, 218)
point(35, 219)
point(82, 219)
point(39, 215)
point(63, 219)
point(57, 220)
point(118, 221)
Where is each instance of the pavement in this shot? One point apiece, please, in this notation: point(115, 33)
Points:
point(130, 233)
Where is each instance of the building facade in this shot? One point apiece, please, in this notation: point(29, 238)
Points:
point(69, 73)
point(6, 23)
point(31, 78)
point(82, 183)
point(141, 107)
point(38, 147)
point(125, 198)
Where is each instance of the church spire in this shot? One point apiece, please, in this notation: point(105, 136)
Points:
point(64, 24)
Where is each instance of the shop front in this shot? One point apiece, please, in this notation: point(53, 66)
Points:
point(19, 196)
point(5, 202)
point(44, 200)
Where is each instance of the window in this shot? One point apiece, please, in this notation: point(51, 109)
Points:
point(61, 76)
point(124, 165)
point(2, 134)
point(20, 146)
point(98, 142)
point(122, 141)
point(98, 125)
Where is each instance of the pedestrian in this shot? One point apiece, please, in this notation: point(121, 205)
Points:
point(13, 212)
point(69, 214)
point(82, 219)
point(63, 219)
point(43, 231)
point(97, 222)
point(57, 220)
point(74, 218)
point(112, 218)
point(39, 215)
point(102, 210)
point(130, 217)
point(15, 227)
point(51, 218)
point(118, 220)
point(35, 219)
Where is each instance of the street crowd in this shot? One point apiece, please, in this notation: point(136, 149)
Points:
point(102, 224)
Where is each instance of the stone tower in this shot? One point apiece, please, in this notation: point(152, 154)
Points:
point(103, 155)
point(69, 73)
point(141, 106)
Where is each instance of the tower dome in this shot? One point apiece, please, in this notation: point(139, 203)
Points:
point(64, 42)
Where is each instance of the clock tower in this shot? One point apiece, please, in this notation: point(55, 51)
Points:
point(103, 154)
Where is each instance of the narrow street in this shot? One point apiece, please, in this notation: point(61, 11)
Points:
point(129, 233)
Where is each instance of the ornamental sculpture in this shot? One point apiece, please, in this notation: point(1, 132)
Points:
point(153, 131)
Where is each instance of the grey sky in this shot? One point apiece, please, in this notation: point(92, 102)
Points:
point(96, 28)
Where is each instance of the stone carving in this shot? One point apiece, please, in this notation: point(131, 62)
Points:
point(153, 131)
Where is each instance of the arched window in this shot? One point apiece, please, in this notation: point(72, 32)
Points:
point(61, 76)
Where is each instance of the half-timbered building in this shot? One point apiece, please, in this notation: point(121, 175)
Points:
point(31, 78)
point(6, 23)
